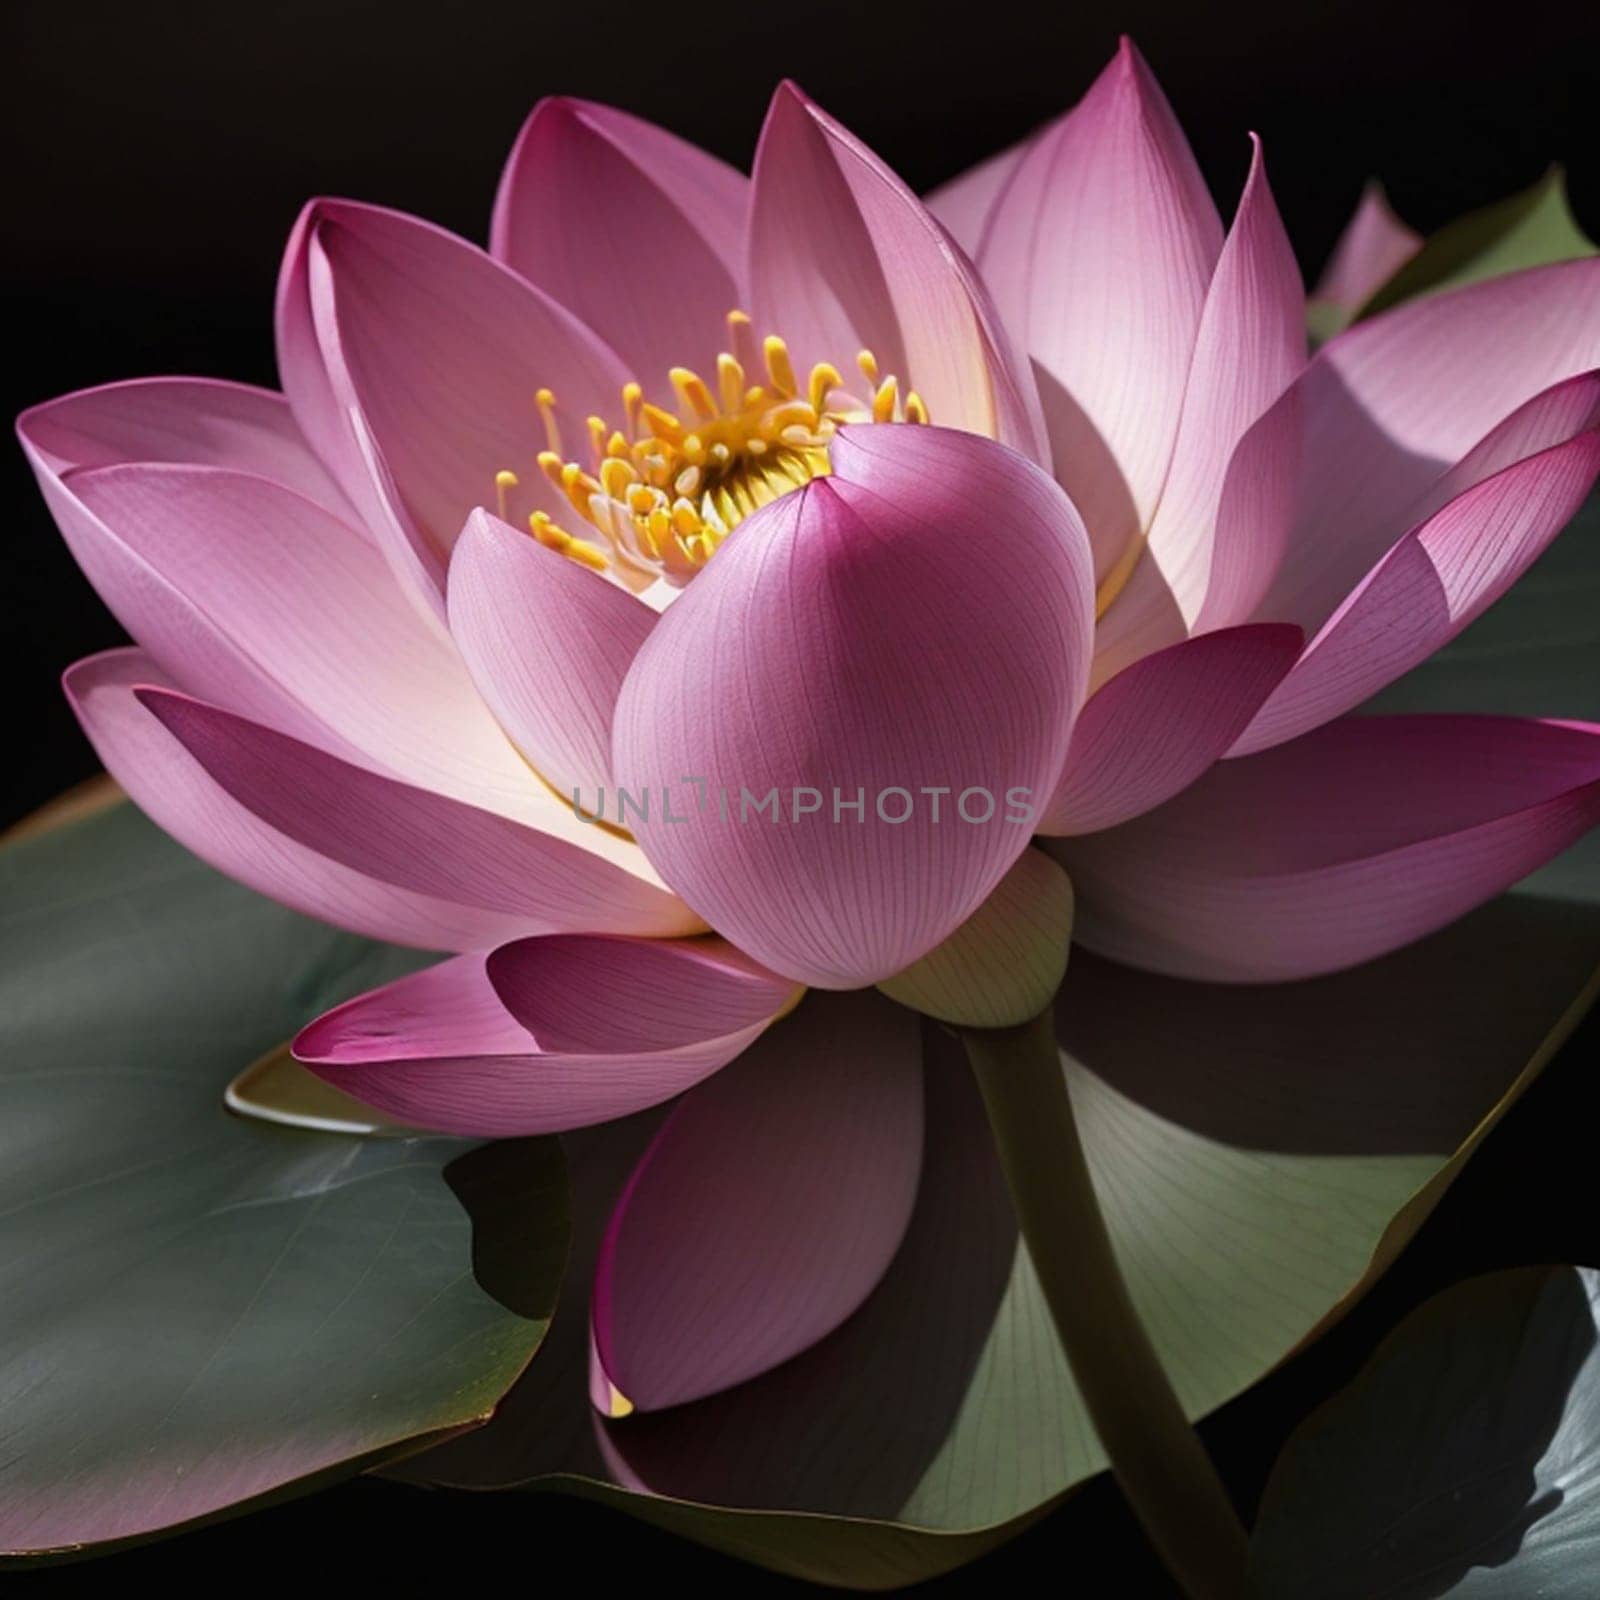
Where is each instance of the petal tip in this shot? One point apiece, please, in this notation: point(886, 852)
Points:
point(162, 703)
point(564, 113)
point(312, 1046)
point(789, 101)
point(604, 1395)
point(325, 208)
point(1129, 63)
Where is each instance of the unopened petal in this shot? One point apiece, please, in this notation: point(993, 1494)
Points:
point(891, 660)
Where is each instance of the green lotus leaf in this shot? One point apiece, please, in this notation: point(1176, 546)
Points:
point(1464, 1459)
point(197, 1311)
point(1532, 228)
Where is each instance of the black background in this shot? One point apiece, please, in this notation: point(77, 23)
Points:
point(156, 155)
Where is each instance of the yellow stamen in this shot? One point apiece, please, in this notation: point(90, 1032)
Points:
point(662, 424)
point(632, 399)
point(692, 391)
point(617, 477)
point(824, 380)
point(668, 487)
point(730, 382)
point(778, 368)
point(504, 483)
point(742, 340)
point(558, 539)
point(578, 486)
point(546, 402)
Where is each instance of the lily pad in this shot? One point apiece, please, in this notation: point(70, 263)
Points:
point(197, 1311)
point(1533, 228)
point(1464, 1459)
point(1262, 1154)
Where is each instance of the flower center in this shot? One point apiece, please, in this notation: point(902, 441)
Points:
point(667, 487)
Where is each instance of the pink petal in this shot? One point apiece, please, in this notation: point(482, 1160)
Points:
point(1432, 584)
point(1335, 471)
point(251, 595)
point(1552, 417)
point(632, 228)
point(963, 204)
point(198, 421)
point(548, 643)
point(319, 411)
point(413, 838)
point(1159, 724)
point(799, 662)
point(844, 256)
point(413, 360)
point(1374, 246)
point(1251, 344)
point(1346, 843)
point(545, 1034)
point(174, 790)
point(765, 1210)
point(150, 605)
point(1099, 251)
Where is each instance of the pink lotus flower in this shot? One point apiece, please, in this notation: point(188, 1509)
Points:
point(1031, 490)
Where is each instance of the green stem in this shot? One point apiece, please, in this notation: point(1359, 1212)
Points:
point(1156, 1456)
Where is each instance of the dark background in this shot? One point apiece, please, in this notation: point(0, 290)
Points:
point(156, 155)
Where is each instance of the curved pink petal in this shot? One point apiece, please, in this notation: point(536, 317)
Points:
point(548, 643)
point(963, 204)
point(798, 665)
point(587, 994)
point(1159, 724)
point(417, 840)
point(1250, 345)
point(176, 793)
point(632, 228)
point(413, 359)
point(155, 610)
point(319, 411)
point(766, 1208)
point(1343, 845)
point(545, 1034)
point(1342, 464)
point(1431, 585)
point(1552, 417)
point(194, 421)
point(843, 257)
point(251, 595)
point(1374, 245)
point(1099, 251)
